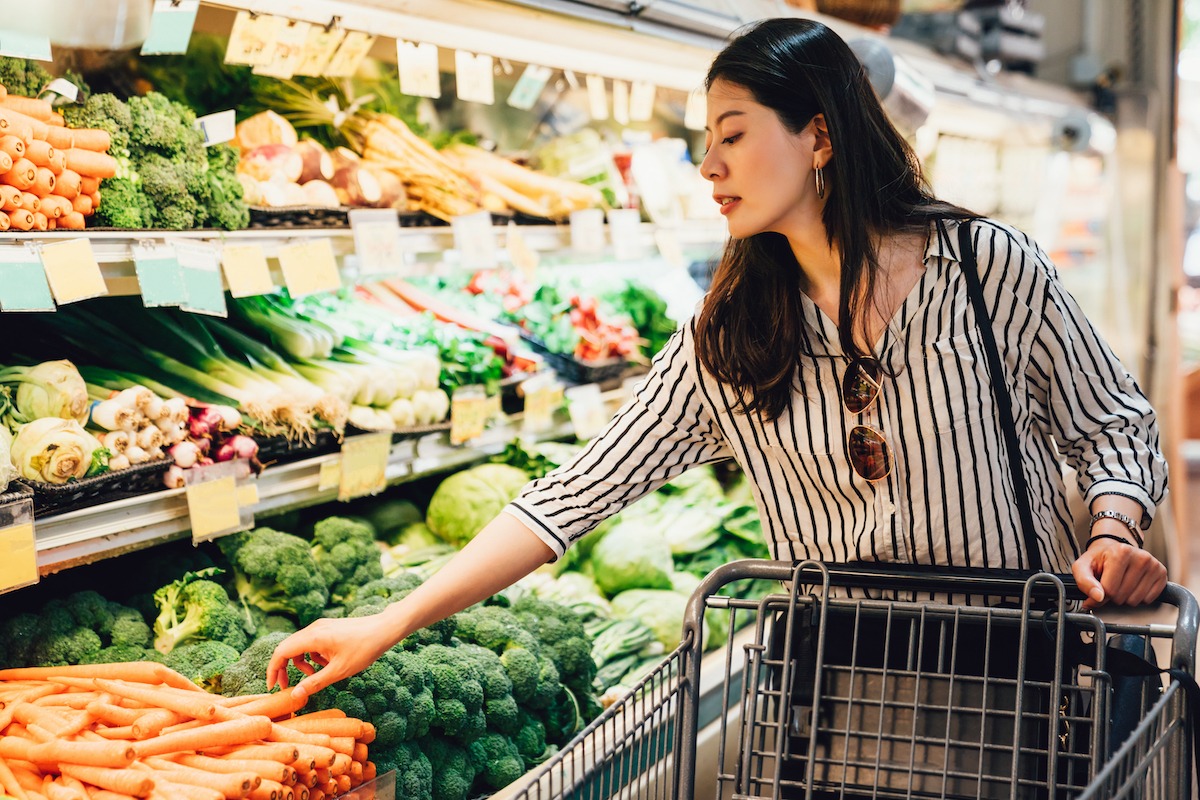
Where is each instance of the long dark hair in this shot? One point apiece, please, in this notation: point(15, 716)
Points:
point(750, 329)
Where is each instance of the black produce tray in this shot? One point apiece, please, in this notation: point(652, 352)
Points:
point(576, 371)
point(299, 217)
point(417, 431)
point(50, 498)
point(280, 449)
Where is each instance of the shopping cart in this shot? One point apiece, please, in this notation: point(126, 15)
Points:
point(879, 682)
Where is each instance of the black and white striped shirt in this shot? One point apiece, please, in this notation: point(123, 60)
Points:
point(949, 499)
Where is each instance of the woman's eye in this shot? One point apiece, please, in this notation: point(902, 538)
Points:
point(731, 139)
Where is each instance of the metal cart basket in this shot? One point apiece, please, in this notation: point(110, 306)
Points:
point(893, 682)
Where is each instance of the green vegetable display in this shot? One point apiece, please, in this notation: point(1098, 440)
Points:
point(468, 500)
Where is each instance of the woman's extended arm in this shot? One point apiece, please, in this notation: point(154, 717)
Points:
point(504, 552)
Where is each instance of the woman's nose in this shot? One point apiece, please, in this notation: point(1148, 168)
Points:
point(710, 166)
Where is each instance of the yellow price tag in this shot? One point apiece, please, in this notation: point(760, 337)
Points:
point(213, 507)
point(522, 256)
point(330, 476)
point(247, 496)
point(541, 403)
point(309, 267)
point(468, 417)
point(18, 566)
point(246, 270)
point(72, 271)
point(364, 465)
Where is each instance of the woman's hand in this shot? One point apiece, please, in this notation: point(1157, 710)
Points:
point(1112, 572)
point(341, 647)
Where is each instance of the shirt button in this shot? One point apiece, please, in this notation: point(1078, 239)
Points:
point(889, 508)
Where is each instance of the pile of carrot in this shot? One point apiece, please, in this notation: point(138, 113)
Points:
point(120, 731)
point(49, 174)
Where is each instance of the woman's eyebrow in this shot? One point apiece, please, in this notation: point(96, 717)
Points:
point(724, 114)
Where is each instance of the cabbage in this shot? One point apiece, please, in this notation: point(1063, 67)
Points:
point(469, 500)
point(660, 610)
point(632, 555)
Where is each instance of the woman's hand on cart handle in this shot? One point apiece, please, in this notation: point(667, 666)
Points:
point(504, 552)
point(1113, 568)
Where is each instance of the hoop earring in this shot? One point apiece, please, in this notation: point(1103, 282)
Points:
point(820, 182)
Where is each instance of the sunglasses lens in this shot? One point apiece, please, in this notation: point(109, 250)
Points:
point(870, 455)
point(860, 385)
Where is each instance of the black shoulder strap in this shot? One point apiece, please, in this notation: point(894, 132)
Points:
point(966, 257)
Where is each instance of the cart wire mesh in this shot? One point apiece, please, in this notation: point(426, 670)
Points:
point(822, 691)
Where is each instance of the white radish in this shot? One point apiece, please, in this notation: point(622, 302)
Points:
point(173, 477)
point(186, 454)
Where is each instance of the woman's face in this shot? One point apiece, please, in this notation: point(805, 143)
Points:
point(762, 173)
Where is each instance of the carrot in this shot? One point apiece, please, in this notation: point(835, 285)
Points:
point(105, 794)
point(31, 107)
point(22, 175)
point(99, 754)
point(282, 752)
point(60, 139)
point(56, 120)
point(83, 204)
point(68, 187)
point(8, 782)
point(321, 757)
point(3, 91)
point(92, 139)
point(43, 184)
point(368, 771)
point(4, 223)
point(76, 700)
point(269, 770)
point(10, 198)
point(40, 223)
point(343, 745)
point(89, 185)
point(117, 732)
point(21, 219)
point(325, 713)
point(39, 152)
point(31, 201)
point(10, 126)
point(232, 732)
point(58, 162)
point(151, 722)
point(51, 224)
point(6, 162)
point(73, 221)
point(88, 162)
point(191, 706)
point(111, 714)
point(226, 784)
point(277, 704)
point(316, 794)
point(59, 791)
point(267, 790)
point(125, 781)
point(336, 726)
point(282, 734)
point(183, 791)
point(343, 783)
point(28, 777)
point(54, 206)
point(34, 128)
point(360, 752)
point(368, 734)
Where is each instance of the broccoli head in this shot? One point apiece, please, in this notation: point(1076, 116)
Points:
point(106, 112)
point(373, 596)
point(23, 76)
point(162, 125)
point(346, 552)
point(530, 739)
point(64, 646)
point(119, 653)
point(202, 662)
point(276, 572)
point(561, 633)
point(165, 184)
point(414, 773)
point(195, 608)
point(129, 628)
point(262, 623)
point(497, 760)
point(19, 633)
point(453, 768)
point(248, 675)
point(225, 205)
point(90, 610)
point(124, 205)
point(464, 679)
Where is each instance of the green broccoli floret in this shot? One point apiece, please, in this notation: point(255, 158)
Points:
point(203, 662)
point(346, 552)
point(194, 608)
point(459, 676)
point(123, 205)
point(497, 759)
point(57, 648)
point(248, 675)
point(276, 572)
point(530, 739)
point(524, 670)
point(106, 112)
point(91, 610)
point(560, 631)
point(414, 773)
point(23, 76)
point(118, 653)
point(394, 694)
point(374, 596)
point(453, 768)
point(225, 205)
point(161, 124)
point(129, 628)
point(165, 185)
point(19, 634)
point(262, 623)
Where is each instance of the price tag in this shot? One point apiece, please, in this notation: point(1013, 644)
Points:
point(319, 49)
point(251, 38)
point(475, 240)
point(23, 285)
point(620, 102)
point(72, 271)
point(217, 128)
point(221, 499)
point(289, 48)
point(543, 398)
point(585, 404)
point(419, 76)
point(625, 225)
point(597, 97)
point(159, 275)
point(22, 44)
point(330, 476)
point(522, 256)
point(469, 413)
point(246, 270)
point(669, 247)
point(63, 88)
point(350, 54)
point(641, 101)
point(529, 87)
point(587, 231)
point(204, 293)
point(377, 240)
point(473, 77)
point(170, 27)
point(695, 114)
point(364, 465)
point(18, 543)
point(309, 267)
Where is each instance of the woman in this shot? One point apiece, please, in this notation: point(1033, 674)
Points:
point(836, 358)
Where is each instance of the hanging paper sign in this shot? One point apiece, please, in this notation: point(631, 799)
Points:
point(20, 44)
point(63, 88)
point(290, 46)
point(377, 240)
point(246, 270)
point(641, 101)
point(543, 398)
point(350, 54)
point(159, 274)
point(322, 43)
point(469, 413)
point(418, 63)
point(620, 102)
point(171, 25)
point(364, 465)
point(221, 499)
point(473, 77)
point(201, 268)
point(597, 97)
point(251, 38)
point(587, 231)
point(695, 114)
point(585, 404)
point(529, 87)
point(23, 285)
point(309, 267)
point(475, 240)
point(217, 128)
point(18, 543)
point(330, 474)
point(72, 271)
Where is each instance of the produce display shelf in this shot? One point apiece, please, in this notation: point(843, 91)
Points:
point(111, 529)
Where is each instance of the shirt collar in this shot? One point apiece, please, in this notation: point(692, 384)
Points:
point(944, 241)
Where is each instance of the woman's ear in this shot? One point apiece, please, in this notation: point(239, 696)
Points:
point(822, 145)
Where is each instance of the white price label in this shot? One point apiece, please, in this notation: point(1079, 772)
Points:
point(473, 77)
point(322, 43)
point(63, 88)
point(587, 231)
point(350, 54)
point(290, 45)
point(377, 240)
point(221, 499)
point(585, 404)
point(469, 413)
point(475, 240)
point(597, 97)
point(246, 270)
point(72, 270)
point(695, 114)
point(419, 76)
point(170, 27)
point(620, 102)
point(529, 87)
point(217, 128)
point(251, 38)
point(641, 101)
point(625, 225)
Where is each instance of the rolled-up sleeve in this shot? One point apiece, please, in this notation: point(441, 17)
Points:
point(664, 430)
point(1101, 420)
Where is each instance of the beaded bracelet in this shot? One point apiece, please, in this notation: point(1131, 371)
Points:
point(1124, 519)
point(1100, 536)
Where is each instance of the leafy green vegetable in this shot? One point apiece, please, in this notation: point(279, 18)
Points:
point(468, 500)
point(633, 554)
